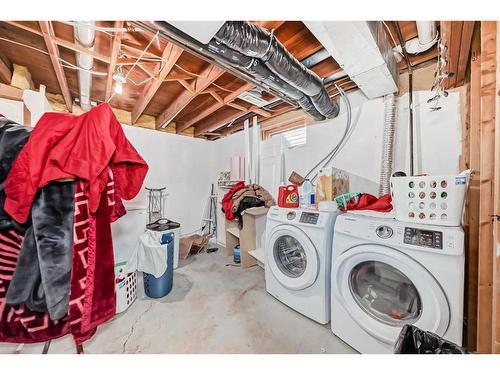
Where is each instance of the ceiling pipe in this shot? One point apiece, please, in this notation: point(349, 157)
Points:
point(85, 36)
point(427, 36)
point(258, 43)
point(193, 46)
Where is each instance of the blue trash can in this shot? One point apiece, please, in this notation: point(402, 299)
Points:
point(157, 287)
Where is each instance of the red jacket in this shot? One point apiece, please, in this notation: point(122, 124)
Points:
point(64, 145)
point(227, 200)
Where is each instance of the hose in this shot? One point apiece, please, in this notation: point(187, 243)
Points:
point(329, 157)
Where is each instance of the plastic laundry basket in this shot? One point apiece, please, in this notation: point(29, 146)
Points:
point(437, 200)
point(126, 288)
point(157, 287)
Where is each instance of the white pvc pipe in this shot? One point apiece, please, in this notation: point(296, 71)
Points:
point(85, 36)
point(427, 32)
point(427, 36)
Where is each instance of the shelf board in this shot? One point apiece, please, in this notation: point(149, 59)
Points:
point(234, 231)
point(258, 254)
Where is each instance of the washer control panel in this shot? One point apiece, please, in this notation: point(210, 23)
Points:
point(309, 218)
point(426, 238)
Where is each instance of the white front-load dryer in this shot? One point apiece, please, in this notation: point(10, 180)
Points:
point(387, 273)
point(298, 259)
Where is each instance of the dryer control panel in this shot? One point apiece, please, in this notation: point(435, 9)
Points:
point(420, 237)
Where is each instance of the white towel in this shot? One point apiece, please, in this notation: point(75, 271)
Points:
point(149, 255)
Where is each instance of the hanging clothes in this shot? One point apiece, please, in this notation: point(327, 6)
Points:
point(65, 146)
point(13, 137)
point(42, 277)
point(92, 293)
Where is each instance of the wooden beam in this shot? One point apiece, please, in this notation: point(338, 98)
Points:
point(115, 48)
point(214, 107)
point(176, 75)
point(252, 108)
point(10, 92)
point(170, 55)
point(187, 86)
point(54, 58)
point(206, 78)
point(488, 98)
point(473, 197)
point(63, 43)
point(465, 48)
point(216, 96)
point(495, 347)
point(5, 72)
point(210, 126)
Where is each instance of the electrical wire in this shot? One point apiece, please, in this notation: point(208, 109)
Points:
point(329, 157)
point(68, 64)
point(137, 61)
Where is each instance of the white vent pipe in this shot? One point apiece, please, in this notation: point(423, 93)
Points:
point(85, 36)
point(427, 36)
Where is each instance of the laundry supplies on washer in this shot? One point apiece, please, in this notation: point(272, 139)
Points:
point(149, 256)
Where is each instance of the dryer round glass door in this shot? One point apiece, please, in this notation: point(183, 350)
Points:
point(383, 289)
point(292, 258)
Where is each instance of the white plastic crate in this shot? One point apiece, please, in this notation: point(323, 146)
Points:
point(437, 200)
point(126, 288)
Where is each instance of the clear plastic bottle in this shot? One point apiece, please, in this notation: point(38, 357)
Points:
point(305, 192)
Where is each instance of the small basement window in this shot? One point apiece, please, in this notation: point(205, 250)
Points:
point(295, 137)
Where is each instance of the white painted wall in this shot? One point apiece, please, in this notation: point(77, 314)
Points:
point(181, 164)
point(12, 109)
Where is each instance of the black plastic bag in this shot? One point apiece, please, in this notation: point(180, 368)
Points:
point(413, 340)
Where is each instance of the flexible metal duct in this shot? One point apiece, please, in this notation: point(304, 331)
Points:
point(256, 42)
point(262, 73)
point(388, 144)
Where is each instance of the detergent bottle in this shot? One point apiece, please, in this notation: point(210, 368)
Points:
point(288, 196)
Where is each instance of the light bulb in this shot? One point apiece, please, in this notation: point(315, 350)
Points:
point(118, 88)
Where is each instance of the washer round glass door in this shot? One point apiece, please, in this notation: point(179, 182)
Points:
point(383, 289)
point(292, 257)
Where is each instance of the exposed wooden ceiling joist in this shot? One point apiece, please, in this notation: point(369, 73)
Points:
point(206, 78)
point(10, 92)
point(115, 48)
point(457, 36)
point(54, 58)
point(5, 72)
point(212, 124)
point(170, 56)
point(214, 107)
point(63, 43)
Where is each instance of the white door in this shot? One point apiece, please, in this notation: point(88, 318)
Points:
point(292, 257)
point(383, 289)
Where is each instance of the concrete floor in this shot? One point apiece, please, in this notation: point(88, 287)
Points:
point(214, 307)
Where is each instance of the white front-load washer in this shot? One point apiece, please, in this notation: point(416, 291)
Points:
point(298, 259)
point(387, 273)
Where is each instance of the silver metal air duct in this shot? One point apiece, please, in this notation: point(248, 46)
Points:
point(256, 42)
point(388, 144)
point(85, 36)
point(261, 72)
